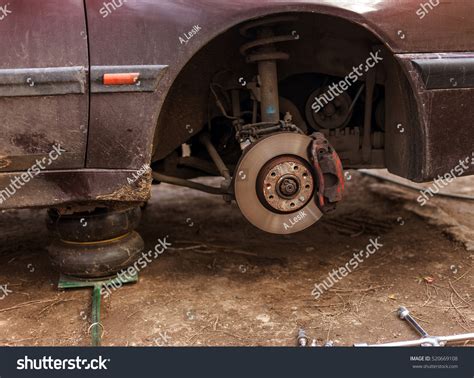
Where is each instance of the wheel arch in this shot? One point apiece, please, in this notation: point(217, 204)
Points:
point(168, 137)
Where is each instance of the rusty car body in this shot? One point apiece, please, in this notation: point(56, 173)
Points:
point(168, 57)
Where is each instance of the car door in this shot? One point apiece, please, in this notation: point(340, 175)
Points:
point(43, 83)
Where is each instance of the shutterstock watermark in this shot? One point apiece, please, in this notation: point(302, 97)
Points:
point(19, 181)
point(4, 291)
point(163, 339)
point(426, 8)
point(50, 363)
point(445, 180)
point(133, 270)
point(109, 7)
point(4, 11)
point(338, 274)
point(337, 89)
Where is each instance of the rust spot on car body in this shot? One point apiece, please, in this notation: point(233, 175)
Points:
point(32, 143)
point(139, 191)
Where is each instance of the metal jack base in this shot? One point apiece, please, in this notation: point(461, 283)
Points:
point(68, 282)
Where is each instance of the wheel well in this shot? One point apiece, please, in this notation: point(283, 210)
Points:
point(326, 46)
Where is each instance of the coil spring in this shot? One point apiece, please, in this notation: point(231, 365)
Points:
point(263, 48)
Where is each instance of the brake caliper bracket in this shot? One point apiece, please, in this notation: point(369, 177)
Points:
point(329, 173)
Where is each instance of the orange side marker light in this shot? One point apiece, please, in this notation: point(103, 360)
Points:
point(121, 78)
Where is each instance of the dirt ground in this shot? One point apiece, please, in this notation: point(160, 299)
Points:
point(224, 282)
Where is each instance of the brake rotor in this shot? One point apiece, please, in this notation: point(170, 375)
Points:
point(274, 184)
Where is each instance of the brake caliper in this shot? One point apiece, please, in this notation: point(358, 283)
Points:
point(329, 173)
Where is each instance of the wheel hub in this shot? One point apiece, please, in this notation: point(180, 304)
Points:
point(285, 184)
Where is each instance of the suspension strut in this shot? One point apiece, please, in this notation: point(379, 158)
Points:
point(262, 51)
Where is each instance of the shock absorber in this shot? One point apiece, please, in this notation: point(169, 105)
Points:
point(262, 51)
point(285, 179)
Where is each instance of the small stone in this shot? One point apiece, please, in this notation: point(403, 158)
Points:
point(264, 318)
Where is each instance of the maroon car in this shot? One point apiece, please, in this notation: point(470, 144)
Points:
point(100, 99)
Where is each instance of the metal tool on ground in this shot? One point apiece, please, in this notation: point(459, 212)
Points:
point(404, 314)
point(303, 341)
point(96, 328)
point(425, 340)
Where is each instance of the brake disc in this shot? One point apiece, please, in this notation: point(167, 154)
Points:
point(274, 184)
